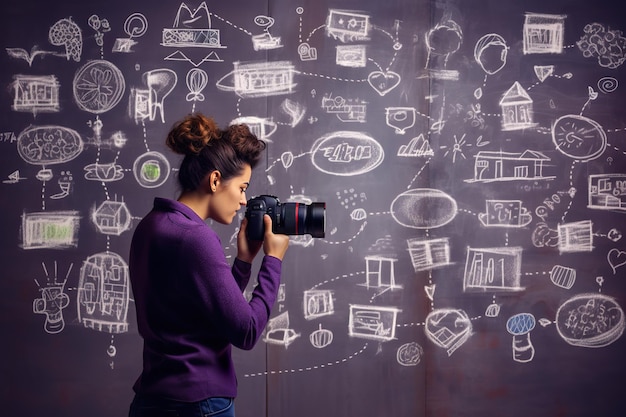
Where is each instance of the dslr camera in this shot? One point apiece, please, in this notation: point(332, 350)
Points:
point(287, 218)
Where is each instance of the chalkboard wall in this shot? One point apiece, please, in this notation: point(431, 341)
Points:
point(471, 155)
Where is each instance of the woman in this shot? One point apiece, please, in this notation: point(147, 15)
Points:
point(189, 300)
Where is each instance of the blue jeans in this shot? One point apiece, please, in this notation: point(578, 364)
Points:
point(160, 407)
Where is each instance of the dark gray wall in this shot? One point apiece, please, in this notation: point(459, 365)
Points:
point(471, 155)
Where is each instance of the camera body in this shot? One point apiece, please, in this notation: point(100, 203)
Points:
point(287, 218)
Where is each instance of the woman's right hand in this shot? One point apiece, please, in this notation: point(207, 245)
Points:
point(274, 244)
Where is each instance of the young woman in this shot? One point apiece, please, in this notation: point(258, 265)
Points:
point(189, 300)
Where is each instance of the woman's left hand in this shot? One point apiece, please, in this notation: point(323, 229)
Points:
point(246, 249)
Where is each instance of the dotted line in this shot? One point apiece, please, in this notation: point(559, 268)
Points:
point(300, 29)
point(418, 174)
point(43, 195)
point(309, 368)
point(337, 278)
point(332, 78)
point(232, 24)
point(350, 239)
point(616, 149)
point(145, 135)
point(313, 32)
point(468, 212)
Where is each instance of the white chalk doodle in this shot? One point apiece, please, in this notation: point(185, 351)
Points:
point(50, 229)
point(543, 33)
point(373, 322)
point(448, 328)
point(520, 326)
point(578, 137)
point(98, 86)
point(493, 269)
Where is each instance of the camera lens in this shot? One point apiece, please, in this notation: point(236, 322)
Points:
point(302, 219)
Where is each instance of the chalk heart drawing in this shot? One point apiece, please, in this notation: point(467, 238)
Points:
point(383, 82)
point(616, 258)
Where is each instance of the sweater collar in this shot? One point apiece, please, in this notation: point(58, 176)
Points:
point(166, 204)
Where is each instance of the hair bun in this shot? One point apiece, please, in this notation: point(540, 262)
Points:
point(191, 134)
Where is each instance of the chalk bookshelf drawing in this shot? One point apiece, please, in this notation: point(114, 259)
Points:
point(493, 269)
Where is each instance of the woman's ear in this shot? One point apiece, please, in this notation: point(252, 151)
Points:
point(214, 180)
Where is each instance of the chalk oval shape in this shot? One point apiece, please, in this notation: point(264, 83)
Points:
point(46, 145)
point(423, 208)
point(590, 320)
point(346, 153)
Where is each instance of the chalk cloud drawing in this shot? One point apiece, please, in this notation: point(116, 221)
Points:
point(346, 153)
point(104, 293)
point(578, 137)
point(520, 326)
point(543, 33)
point(98, 86)
point(372, 322)
point(423, 208)
point(590, 320)
point(442, 41)
point(448, 328)
point(607, 46)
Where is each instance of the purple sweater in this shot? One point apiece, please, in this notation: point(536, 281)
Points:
point(190, 305)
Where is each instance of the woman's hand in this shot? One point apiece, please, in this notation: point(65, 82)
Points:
point(247, 249)
point(274, 244)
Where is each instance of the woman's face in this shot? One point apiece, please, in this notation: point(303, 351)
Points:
point(229, 196)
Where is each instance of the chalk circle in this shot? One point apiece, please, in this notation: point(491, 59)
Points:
point(151, 169)
point(98, 86)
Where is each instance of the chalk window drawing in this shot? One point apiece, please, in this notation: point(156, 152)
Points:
point(607, 192)
point(318, 303)
point(50, 229)
point(543, 33)
point(429, 254)
point(36, 94)
point(373, 322)
point(576, 236)
point(493, 269)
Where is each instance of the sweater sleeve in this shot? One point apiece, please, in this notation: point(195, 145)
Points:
point(241, 272)
point(216, 291)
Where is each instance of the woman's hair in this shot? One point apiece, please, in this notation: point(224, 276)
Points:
point(207, 148)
